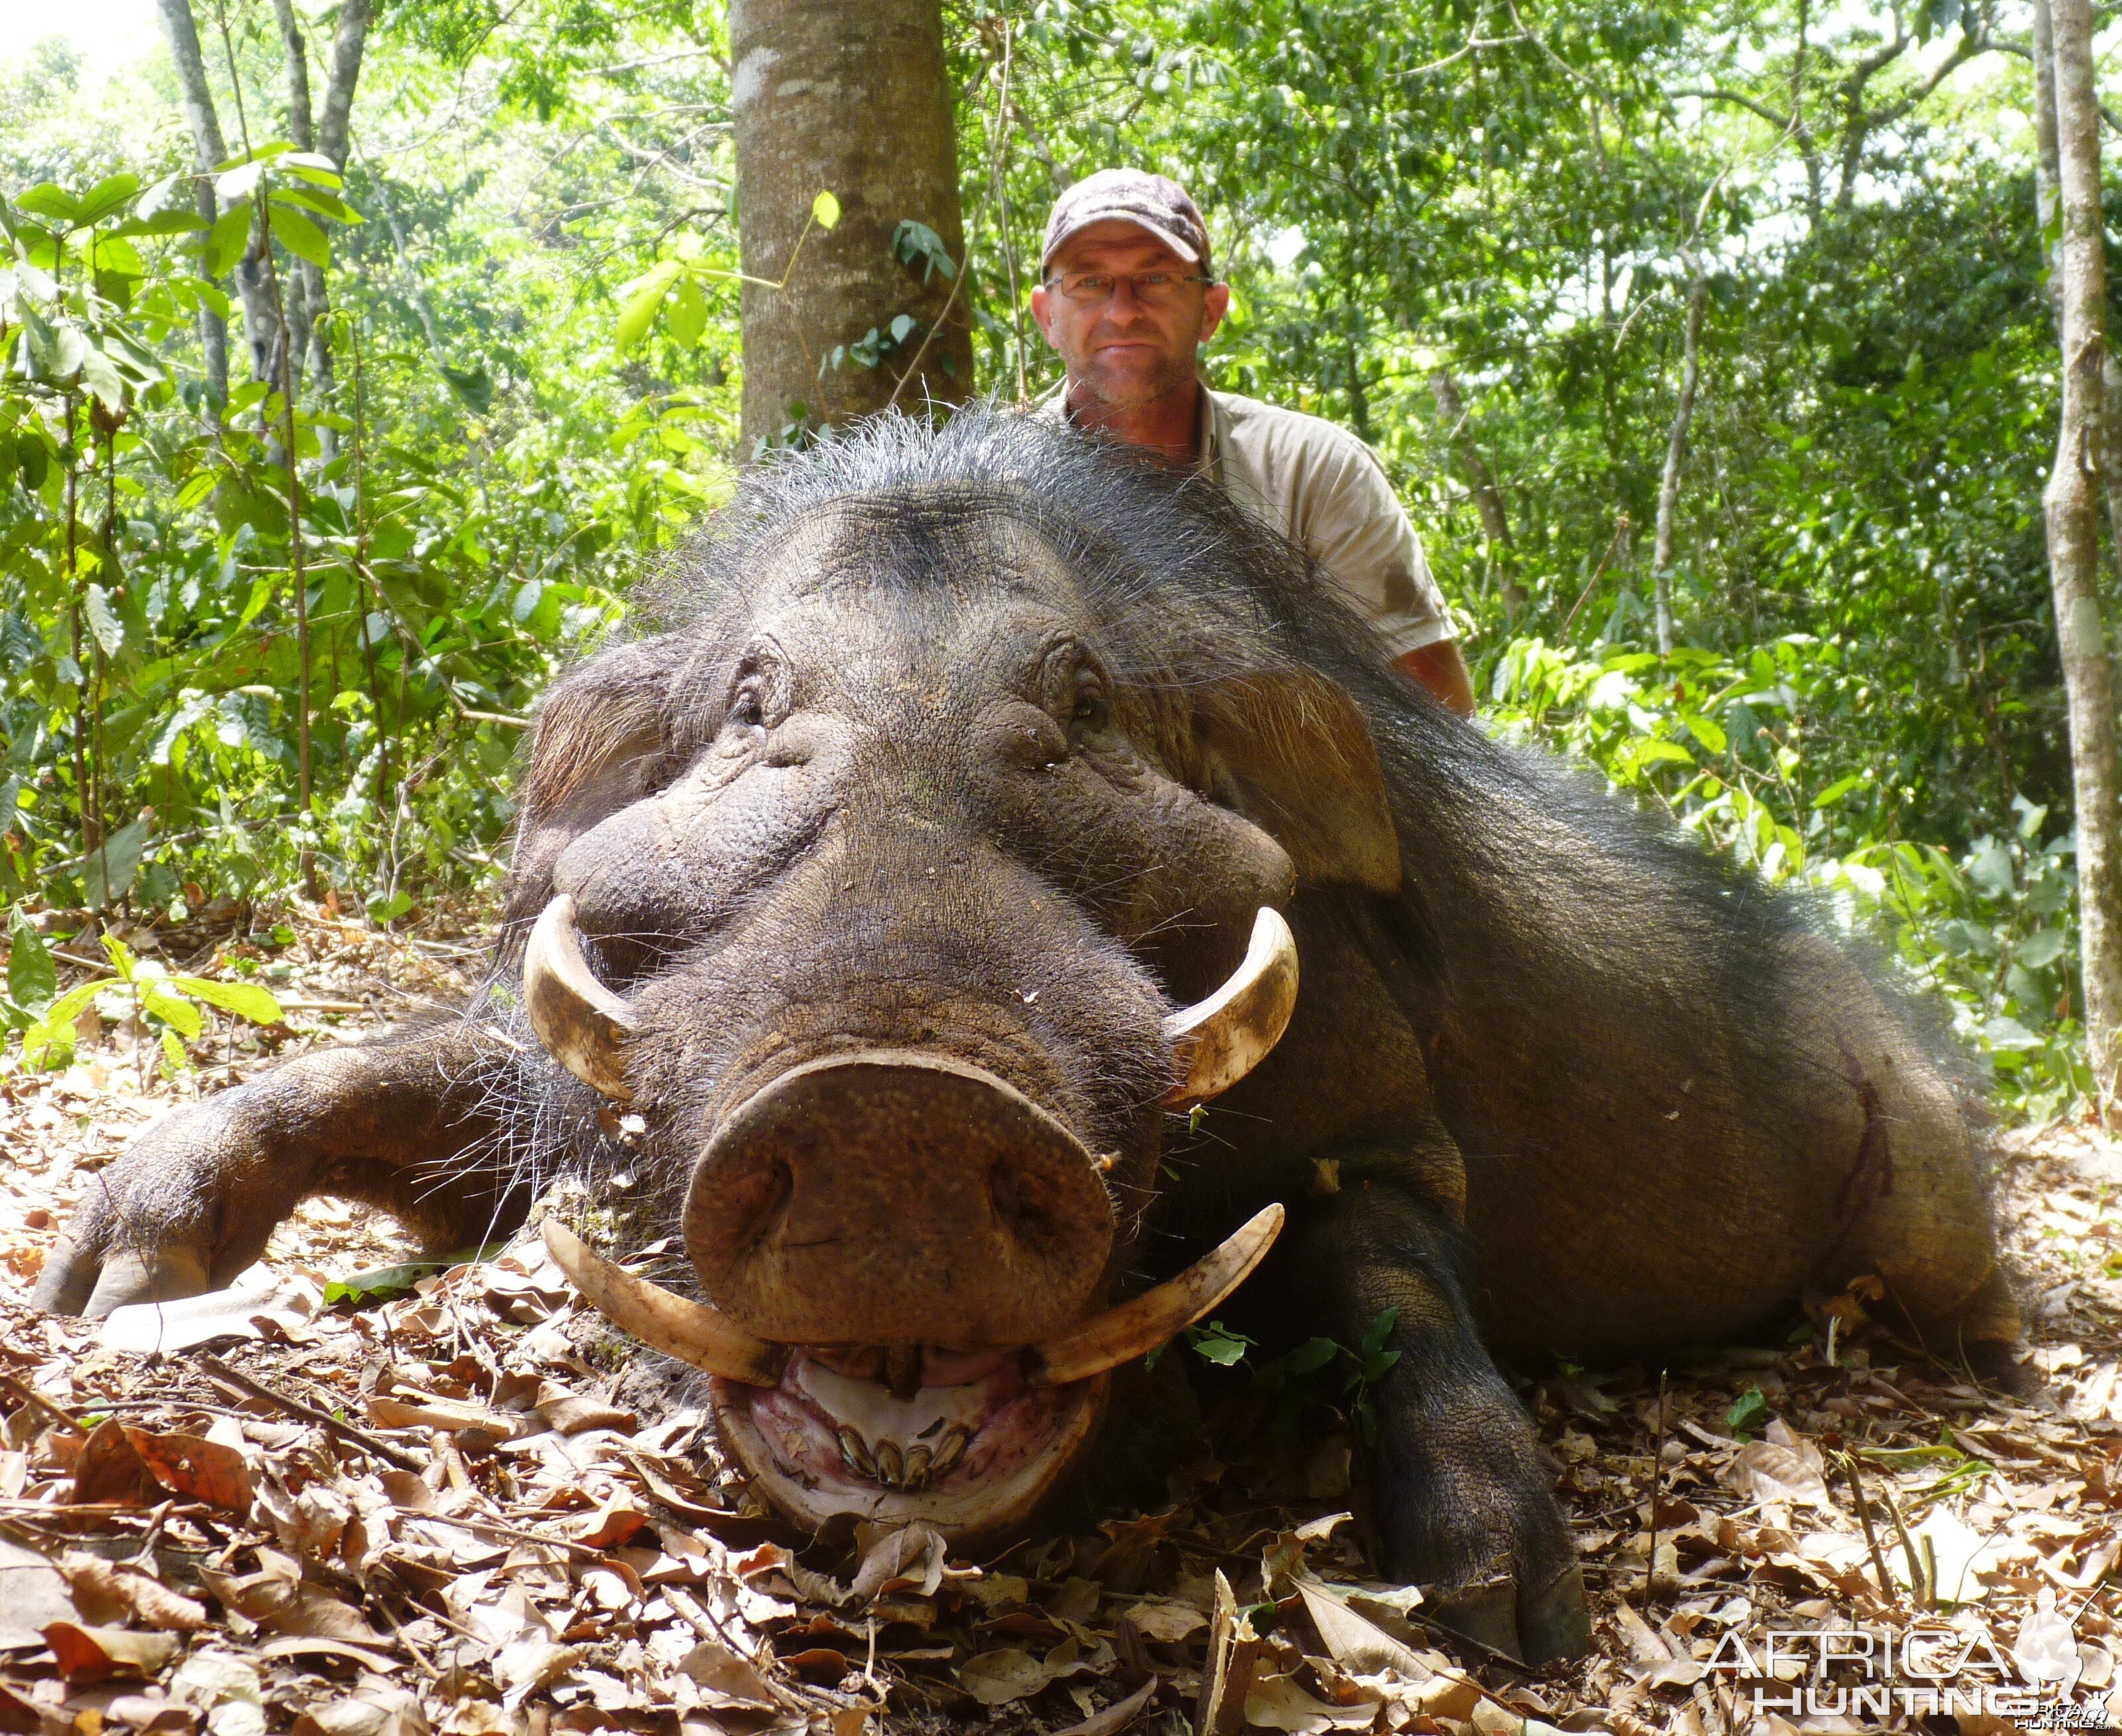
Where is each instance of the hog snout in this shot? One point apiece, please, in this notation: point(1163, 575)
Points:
point(897, 1198)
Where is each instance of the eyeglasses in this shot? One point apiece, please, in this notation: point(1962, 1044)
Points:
point(1153, 288)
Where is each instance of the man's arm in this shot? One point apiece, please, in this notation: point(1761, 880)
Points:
point(1439, 667)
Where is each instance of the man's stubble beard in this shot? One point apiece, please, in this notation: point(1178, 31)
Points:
point(1172, 374)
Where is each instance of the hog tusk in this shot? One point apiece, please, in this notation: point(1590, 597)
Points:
point(1135, 1329)
point(583, 1026)
point(676, 1325)
point(1220, 1040)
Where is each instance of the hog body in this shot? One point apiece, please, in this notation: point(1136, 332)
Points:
point(943, 767)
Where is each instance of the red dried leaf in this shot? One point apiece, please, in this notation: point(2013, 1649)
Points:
point(108, 1469)
point(97, 1653)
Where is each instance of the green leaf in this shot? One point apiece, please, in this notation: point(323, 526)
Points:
point(107, 875)
point(299, 235)
point(49, 199)
point(49, 1042)
point(227, 239)
point(825, 211)
point(103, 621)
point(324, 204)
point(385, 1283)
point(245, 1000)
point(173, 1010)
point(1748, 1412)
point(642, 298)
point(688, 312)
point(32, 977)
point(109, 195)
point(239, 184)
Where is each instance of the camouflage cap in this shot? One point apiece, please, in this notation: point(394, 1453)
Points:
point(1154, 203)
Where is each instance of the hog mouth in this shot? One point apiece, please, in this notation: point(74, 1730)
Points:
point(972, 1453)
point(968, 1439)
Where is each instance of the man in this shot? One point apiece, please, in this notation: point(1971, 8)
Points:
point(1128, 297)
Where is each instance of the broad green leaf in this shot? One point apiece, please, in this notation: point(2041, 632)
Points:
point(49, 199)
point(384, 1283)
point(641, 299)
point(49, 1042)
point(173, 1010)
point(107, 875)
point(324, 204)
point(230, 236)
point(103, 621)
point(239, 183)
point(106, 196)
point(245, 1000)
point(32, 977)
point(689, 311)
point(299, 235)
point(826, 210)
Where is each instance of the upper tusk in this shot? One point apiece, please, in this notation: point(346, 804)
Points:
point(676, 1325)
point(583, 1026)
point(1135, 1329)
point(1220, 1040)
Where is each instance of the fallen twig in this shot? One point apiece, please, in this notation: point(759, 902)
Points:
point(346, 1432)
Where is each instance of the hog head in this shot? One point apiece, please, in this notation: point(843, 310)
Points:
point(902, 894)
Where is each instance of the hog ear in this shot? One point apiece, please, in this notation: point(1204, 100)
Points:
point(1291, 751)
point(597, 732)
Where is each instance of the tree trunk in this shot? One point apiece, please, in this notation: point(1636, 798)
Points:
point(851, 99)
point(1675, 452)
point(1481, 484)
point(208, 150)
point(308, 298)
point(2073, 537)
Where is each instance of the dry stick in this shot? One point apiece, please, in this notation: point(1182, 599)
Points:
point(1657, 1489)
point(294, 529)
point(29, 1395)
point(346, 1432)
point(1620, 530)
point(362, 571)
point(996, 173)
point(1851, 1476)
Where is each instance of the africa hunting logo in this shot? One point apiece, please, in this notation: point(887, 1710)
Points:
point(1921, 1671)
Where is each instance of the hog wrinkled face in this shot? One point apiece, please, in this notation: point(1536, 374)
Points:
point(890, 870)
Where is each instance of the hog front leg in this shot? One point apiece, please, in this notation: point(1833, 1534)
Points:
point(1461, 1495)
point(405, 1124)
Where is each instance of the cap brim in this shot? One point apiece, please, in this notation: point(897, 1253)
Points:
point(1078, 224)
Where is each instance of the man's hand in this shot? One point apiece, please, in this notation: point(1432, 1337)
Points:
point(1438, 667)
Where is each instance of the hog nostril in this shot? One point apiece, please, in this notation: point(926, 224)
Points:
point(1017, 1209)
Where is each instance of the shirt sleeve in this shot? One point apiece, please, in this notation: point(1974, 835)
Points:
point(1359, 532)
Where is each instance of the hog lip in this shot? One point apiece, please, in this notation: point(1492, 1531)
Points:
point(784, 1439)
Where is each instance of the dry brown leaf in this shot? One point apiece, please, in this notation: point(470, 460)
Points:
point(375, 1711)
point(1116, 1717)
point(1163, 1622)
point(732, 1680)
point(572, 1412)
point(36, 1592)
point(107, 1593)
point(98, 1654)
point(899, 1558)
point(192, 1466)
point(998, 1678)
point(106, 1468)
point(1357, 1641)
point(1278, 1703)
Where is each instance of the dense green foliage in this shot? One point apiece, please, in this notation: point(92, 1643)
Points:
point(1489, 205)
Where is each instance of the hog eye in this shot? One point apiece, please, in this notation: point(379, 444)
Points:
point(1091, 708)
point(747, 712)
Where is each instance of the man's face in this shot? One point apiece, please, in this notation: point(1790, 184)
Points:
point(1122, 351)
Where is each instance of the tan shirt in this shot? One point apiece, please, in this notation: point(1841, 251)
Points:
point(1323, 488)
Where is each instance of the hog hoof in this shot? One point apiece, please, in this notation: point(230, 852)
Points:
point(77, 1281)
point(1535, 1628)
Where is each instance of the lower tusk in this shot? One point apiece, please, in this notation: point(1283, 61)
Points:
point(1135, 1329)
point(1217, 1042)
point(583, 1026)
point(676, 1325)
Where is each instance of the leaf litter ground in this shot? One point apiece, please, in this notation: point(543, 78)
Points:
point(455, 1505)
